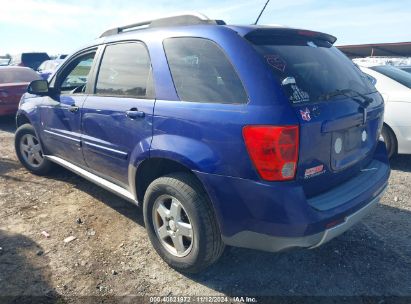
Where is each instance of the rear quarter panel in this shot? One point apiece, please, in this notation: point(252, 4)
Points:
point(208, 137)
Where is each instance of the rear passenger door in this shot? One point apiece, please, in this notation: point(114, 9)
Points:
point(117, 118)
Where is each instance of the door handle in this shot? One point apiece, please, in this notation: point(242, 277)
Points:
point(73, 108)
point(134, 113)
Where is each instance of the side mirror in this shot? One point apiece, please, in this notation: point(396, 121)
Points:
point(39, 87)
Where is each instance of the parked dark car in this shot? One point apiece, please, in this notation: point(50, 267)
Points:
point(252, 136)
point(31, 60)
point(13, 84)
point(62, 56)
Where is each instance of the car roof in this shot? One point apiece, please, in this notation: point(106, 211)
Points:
point(140, 31)
point(13, 67)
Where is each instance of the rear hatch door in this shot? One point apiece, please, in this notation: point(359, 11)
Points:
point(339, 109)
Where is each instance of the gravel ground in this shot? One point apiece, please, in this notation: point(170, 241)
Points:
point(111, 255)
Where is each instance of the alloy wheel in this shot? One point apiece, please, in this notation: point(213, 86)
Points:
point(30, 149)
point(172, 226)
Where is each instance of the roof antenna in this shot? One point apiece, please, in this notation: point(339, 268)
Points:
point(258, 18)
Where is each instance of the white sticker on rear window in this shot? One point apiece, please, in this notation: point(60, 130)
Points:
point(297, 95)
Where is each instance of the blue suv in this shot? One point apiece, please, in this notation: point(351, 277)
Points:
point(253, 136)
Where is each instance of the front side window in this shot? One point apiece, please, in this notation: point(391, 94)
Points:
point(202, 73)
point(125, 71)
point(75, 76)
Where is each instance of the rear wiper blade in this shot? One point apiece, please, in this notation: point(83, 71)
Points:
point(364, 102)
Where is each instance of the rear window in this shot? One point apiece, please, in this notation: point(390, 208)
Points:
point(394, 73)
point(202, 73)
point(309, 68)
point(17, 75)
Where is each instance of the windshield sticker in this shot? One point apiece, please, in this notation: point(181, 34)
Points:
point(305, 114)
point(297, 95)
point(276, 62)
point(314, 171)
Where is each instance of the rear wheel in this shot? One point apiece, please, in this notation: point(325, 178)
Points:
point(389, 140)
point(181, 224)
point(29, 150)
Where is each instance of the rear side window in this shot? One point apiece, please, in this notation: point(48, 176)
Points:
point(202, 73)
point(125, 71)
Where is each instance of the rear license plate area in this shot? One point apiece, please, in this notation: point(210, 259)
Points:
point(348, 147)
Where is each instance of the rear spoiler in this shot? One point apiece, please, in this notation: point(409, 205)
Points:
point(287, 32)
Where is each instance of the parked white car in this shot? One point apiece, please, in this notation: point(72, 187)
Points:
point(395, 86)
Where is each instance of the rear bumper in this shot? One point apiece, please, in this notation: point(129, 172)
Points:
point(349, 221)
point(278, 216)
point(265, 242)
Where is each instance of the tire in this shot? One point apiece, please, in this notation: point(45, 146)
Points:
point(182, 191)
point(29, 150)
point(389, 140)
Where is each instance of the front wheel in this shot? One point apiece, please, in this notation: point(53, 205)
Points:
point(181, 224)
point(29, 150)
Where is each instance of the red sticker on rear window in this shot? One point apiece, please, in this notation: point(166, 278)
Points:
point(276, 62)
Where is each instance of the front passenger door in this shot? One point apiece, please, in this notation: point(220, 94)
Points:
point(117, 118)
point(61, 116)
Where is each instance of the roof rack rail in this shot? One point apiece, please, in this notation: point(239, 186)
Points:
point(186, 19)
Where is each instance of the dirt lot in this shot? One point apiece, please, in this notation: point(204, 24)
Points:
point(112, 254)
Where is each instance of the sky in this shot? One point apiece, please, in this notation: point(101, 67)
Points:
point(59, 27)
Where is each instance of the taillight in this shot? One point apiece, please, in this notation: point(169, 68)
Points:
point(273, 150)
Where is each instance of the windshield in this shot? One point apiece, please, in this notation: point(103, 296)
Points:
point(394, 73)
point(310, 68)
